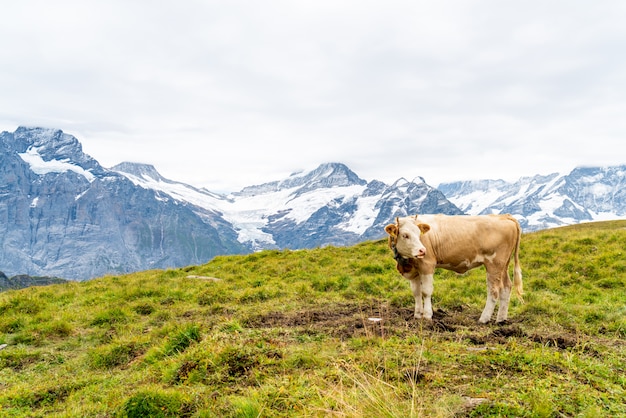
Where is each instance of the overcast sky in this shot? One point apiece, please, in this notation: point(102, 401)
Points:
point(225, 94)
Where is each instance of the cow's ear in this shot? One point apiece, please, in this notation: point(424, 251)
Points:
point(392, 230)
point(424, 228)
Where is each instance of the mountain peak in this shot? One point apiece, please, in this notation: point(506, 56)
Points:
point(147, 171)
point(49, 151)
point(53, 143)
point(51, 146)
point(331, 175)
point(326, 175)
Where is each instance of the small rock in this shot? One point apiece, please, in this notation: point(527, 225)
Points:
point(480, 348)
point(212, 279)
point(471, 403)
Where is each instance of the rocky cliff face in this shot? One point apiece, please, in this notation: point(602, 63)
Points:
point(62, 214)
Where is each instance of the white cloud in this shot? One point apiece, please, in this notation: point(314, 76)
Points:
point(225, 94)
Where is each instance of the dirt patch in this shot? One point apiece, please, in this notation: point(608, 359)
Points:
point(378, 318)
point(559, 341)
point(341, 320)
point(349, 320)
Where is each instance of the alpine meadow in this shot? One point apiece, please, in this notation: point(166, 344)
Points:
point(325, 332)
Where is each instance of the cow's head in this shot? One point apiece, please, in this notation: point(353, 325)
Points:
point(404, 238)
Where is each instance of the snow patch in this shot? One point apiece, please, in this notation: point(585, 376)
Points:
point(250, 213)
point(78, 196)
point(178, 191)
point(599, 189)
point(41, 167)
point(364, 216)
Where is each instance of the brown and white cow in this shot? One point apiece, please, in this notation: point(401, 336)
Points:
point(422, 243)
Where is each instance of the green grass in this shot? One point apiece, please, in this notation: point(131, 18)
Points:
point(287, 333)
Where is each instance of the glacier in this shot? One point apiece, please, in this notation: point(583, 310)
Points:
point(256, 211)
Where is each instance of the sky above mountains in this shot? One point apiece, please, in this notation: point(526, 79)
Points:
point(228, 94)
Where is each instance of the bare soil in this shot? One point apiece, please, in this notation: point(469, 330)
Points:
point(348, 320)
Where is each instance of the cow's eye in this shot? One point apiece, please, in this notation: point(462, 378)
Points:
point(405, 236)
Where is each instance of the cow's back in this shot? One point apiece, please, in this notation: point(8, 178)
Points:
point(462, 242)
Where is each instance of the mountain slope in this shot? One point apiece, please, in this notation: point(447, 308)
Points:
point(324, 332)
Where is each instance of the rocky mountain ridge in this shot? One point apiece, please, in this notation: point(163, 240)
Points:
point(62, 214)
point(547, 201)
point(23, 280)
point(329, 205)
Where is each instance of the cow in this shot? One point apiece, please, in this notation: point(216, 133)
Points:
point(460, 243)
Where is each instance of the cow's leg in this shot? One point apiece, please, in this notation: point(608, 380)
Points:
point(416, 288)
point(505, 297)
point(427, 292)
point(493, 294)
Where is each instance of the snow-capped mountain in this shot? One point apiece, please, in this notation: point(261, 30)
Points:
point(330, 205)
point(540, 202)
point(64, 215)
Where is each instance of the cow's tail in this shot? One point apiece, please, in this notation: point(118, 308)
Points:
point(517, 269)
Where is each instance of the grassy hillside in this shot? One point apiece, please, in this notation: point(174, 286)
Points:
point(324, 332)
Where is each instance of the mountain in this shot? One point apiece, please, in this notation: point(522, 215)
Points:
point(329, 205)
point(540, 202)
point(332, 205)
point(64, 215)
point(23, 280)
